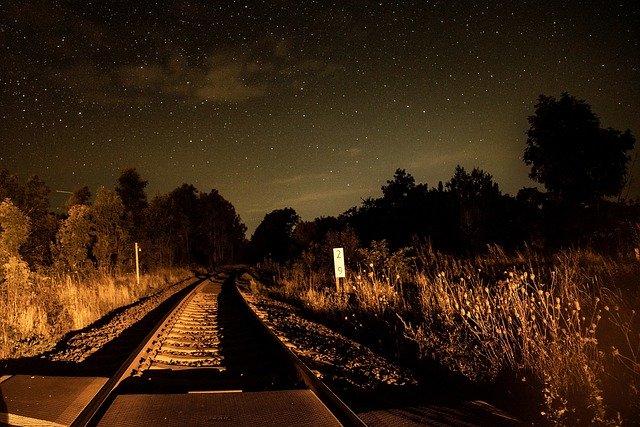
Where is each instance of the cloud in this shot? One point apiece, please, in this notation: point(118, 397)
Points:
point(135, 64)
point(353, 151)
point(313, 197)
point(231, 79)
point(309, 200)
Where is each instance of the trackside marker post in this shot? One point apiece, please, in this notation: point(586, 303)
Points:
point(338, 263)
point(137, 249)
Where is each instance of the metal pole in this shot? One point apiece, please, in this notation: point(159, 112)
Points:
point(137, 265)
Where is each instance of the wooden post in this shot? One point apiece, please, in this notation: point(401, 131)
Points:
point(137, 264)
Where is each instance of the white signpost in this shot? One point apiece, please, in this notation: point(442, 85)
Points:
point(137, 249)
point(338, 263)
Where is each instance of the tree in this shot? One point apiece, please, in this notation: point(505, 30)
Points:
point(182, 212)
point(74, 239)
point(32, 199)
point(479, 206)
point(471, 186)
point(112, 239)
point(130, 188)
point(273, 238)
point(37, 249)
point(80, 196)
point(221, 231)
point(14, 230)
point(158, 248)
point(11, 187)
point(399, 188)
point(568, 151)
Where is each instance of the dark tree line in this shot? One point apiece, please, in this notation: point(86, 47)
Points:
point(183, 227)
point(582, 166)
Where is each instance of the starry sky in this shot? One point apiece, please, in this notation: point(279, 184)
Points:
point(304, 104)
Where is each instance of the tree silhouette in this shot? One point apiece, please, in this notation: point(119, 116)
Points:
point(397, 190)
point(73, 241)
point(80, 196)
point(568, 151)
point(478, 206)
point(220, 231)
point(475, 185)
point(131, 191)
point(112, 248)
point(14, 230)
point(32, 199)
point(273, 238)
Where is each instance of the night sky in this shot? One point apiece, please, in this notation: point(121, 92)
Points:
point(304, 104)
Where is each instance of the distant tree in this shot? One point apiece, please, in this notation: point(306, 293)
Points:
point(401, 213)
point(399, 188)
point(220, 229)
point(316, 240)
point(273, 238)
point(37, 249)
point(471, 186)
point(568, 151)
point(479, 207)
point(32, 198)
point(113, 244)
point(73, 241)
point(130, 188)
point(157, 247)
point(11, 187)
point(80, 196)
point(308, 232)
point(345, 238)
point(14, 230)
point(183, 216)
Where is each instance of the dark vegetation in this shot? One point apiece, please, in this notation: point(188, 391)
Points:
point(181, 228)
point(584, 170)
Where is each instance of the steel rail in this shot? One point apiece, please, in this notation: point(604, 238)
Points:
point(336, 405)
point(106, 392)
point(143, 356)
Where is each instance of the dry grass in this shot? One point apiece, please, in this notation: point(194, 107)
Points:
point(38, 309)
point(564, 323)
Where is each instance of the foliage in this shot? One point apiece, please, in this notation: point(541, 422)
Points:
point(32, 199)
point(187, 226)
point(399, 188)
point(130, 188)
point(79, 196)
point(273, 237)
point(221, 232)
point(112, 248)
point(73, 241)
point(14, 230)
point(568, 151)
point(41, 310)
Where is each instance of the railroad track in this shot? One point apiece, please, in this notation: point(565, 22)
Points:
point(211, 354)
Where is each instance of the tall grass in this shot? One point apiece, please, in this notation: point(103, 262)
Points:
point(564, 322)
point(39, 309)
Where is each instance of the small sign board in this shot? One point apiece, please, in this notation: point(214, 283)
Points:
point(338, 262)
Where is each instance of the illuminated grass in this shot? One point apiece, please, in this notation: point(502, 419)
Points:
point(42, 309)
point(563, 324)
